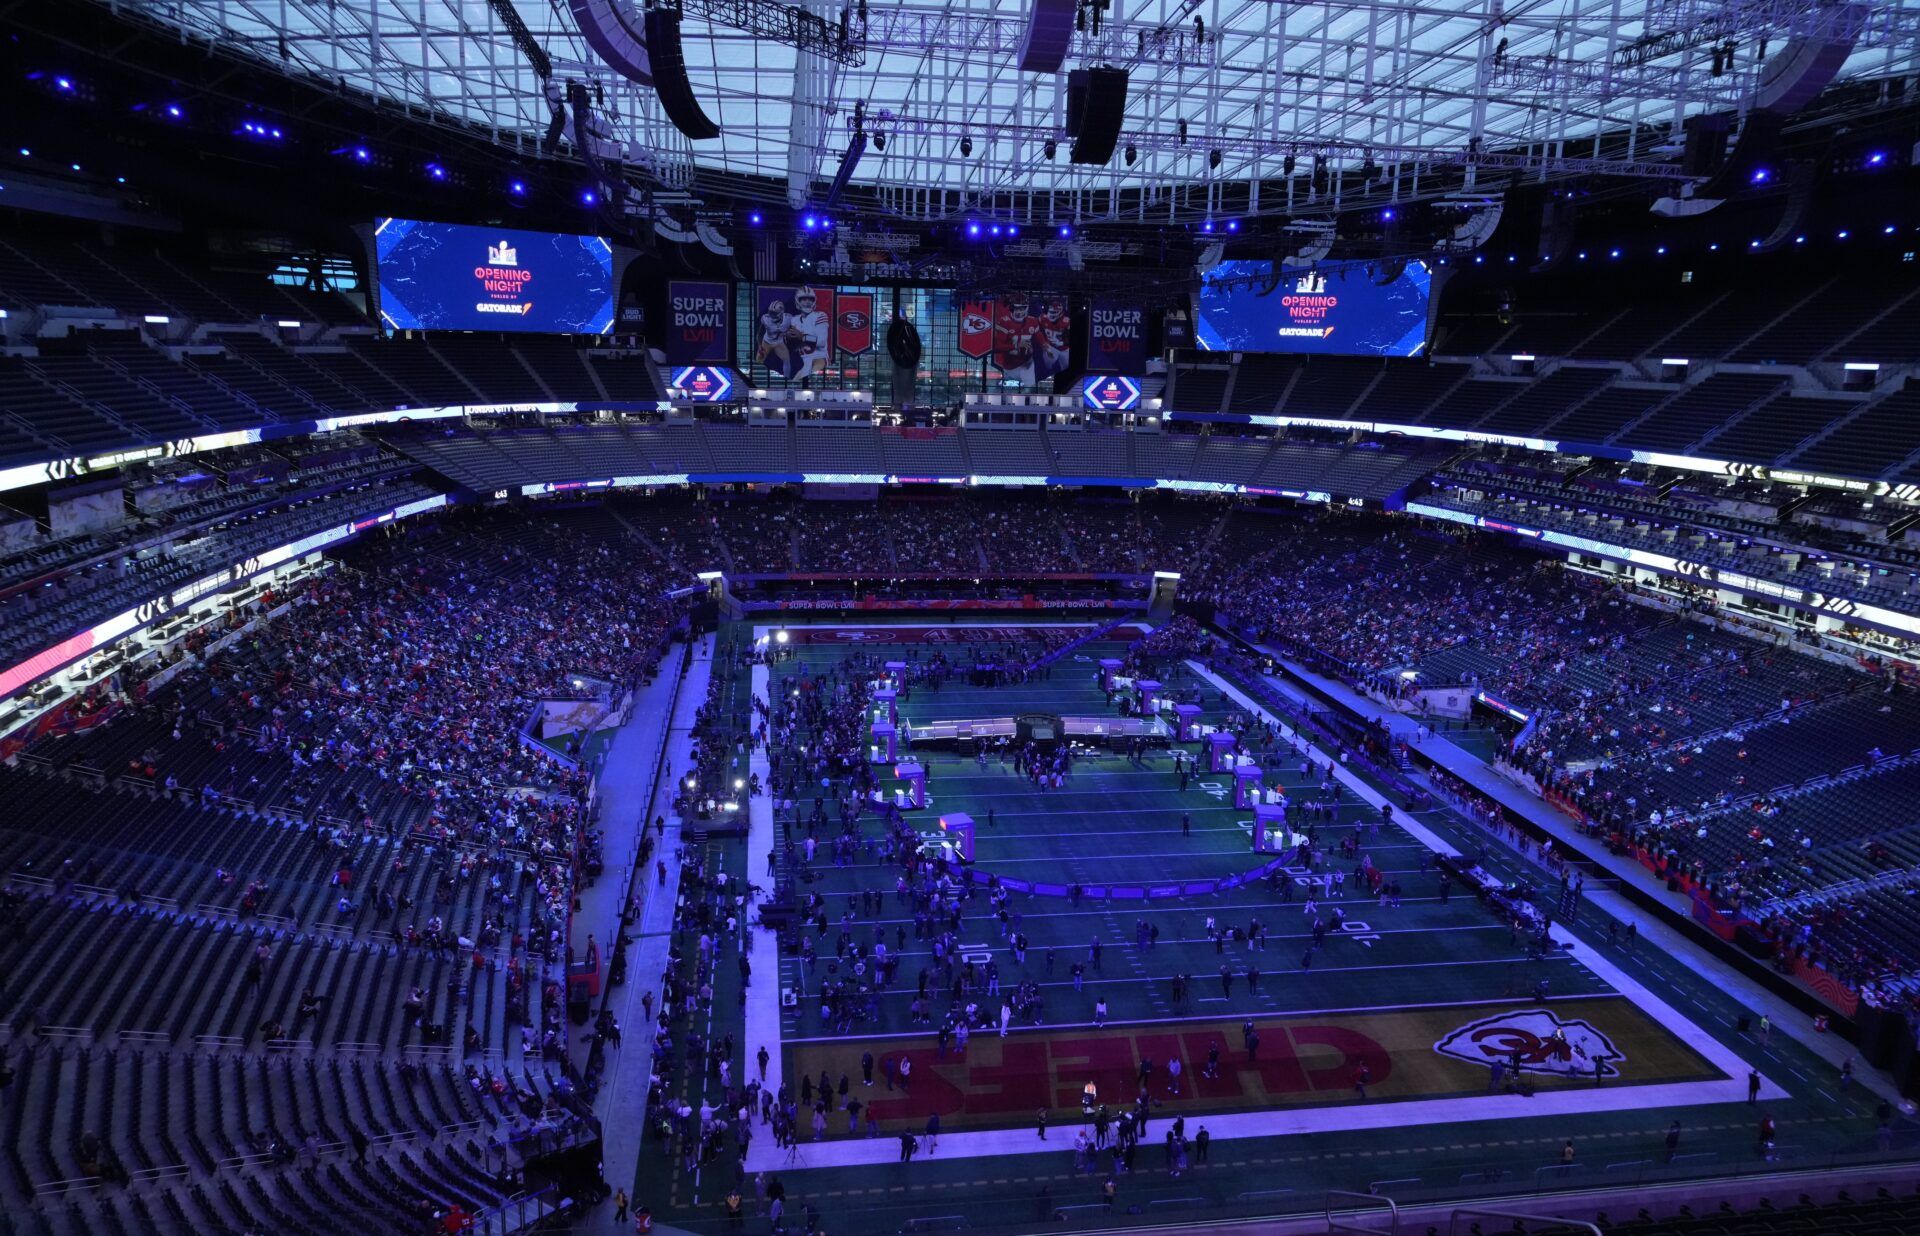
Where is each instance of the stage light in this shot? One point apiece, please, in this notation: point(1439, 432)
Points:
point(276, 134)
point(74, 166)
point(1213, 157)
point(973, 229)
point(517, 187)
point(825, 223)
point(879, 141)
point(1714, 247)
point(1133, 154)
point(25, 153)
point(1877, 158)
point(1613, 253)
point(1065, 231)
point(1479, 259)
point(1799, 240)
point(174, 110)
point(1754, 243)
point(1013, 229)
point(1841, 235)
point(994, 230)
point(966, 147)
point(64, 83)
point(1512, 258)
point(809, 222)
point(1233, 225)
point(756, 218)
point(1760, 176)
point(1583, 255)
point(1387, 215)
point(1887, 230)
point(436, 172)
point(1662, 251)
point(589, 198)
point(1050, 147)
point(362, 155)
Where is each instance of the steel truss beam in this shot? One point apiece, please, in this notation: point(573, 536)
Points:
point(782, 23)
point(1305, 146)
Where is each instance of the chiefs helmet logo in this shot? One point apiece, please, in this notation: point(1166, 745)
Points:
point(1529, 1036)
point(973, 323)
point(853, 320)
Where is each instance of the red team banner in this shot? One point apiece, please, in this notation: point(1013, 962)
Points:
point(853, 323)
point(976, 326)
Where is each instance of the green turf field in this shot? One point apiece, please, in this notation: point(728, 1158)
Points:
point(1424, 993)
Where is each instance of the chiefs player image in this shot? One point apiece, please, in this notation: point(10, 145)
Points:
point(1051, 341)
point(1015, 336)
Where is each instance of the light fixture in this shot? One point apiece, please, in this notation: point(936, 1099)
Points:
point(966, 146)
point(1133, 153)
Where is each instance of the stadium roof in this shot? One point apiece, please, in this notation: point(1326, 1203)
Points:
point(1394, 82)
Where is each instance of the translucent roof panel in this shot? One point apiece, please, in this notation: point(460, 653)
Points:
point(1255, 80)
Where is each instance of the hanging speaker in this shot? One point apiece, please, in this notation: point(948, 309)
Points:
point(903, 343)
point(1102, 108)
point(669, 67)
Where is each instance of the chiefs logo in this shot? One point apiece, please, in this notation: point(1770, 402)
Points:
point(853, 319)
point(1542, 1041)
point(974, 323)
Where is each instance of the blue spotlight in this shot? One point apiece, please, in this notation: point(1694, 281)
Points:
point(1761, 175)
point(1583, 255)
point(174, 111)
point(809, 222)
point(1843, 235)
point(1877, 159)
point(1662, 251)
point(994, 230)
point(1207, 226)
point(1388, 215)
point(64, 83)
point(362, 155)
point(436, 172)
point(1887, 230)
point(589, 198)
point(756, 218)
point(1613, 253)
point(517, 187)
point(1013, 229)
point(973, 229)
point(1233, 225)
point(1065, 231)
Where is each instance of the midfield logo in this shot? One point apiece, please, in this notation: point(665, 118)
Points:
point(1531, 1034)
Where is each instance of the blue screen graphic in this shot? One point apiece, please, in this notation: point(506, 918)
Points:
point(447, 276)
point(1313, 311)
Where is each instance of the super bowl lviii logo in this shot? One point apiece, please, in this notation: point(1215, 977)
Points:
point(1535, 1041)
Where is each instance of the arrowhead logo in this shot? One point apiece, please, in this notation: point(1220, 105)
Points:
point(1542, 1040)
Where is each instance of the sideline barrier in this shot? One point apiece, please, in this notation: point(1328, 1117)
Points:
point(1134, 892)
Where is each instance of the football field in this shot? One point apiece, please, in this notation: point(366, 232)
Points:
point(1139, 928)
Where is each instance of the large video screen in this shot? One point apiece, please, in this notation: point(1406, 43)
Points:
point(1244, 309)
point(448, 276)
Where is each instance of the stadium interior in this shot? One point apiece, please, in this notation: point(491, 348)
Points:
point(993, 514)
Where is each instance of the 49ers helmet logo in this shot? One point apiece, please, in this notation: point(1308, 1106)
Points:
point(1538, 1039)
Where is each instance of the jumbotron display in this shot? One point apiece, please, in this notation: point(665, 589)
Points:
point(1243, 308)
point(448, 276)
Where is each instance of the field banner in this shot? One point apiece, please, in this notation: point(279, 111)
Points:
point(697, 317)
point(795, 329)
point(853, 323)
point(976, 326)
point(1117, 338)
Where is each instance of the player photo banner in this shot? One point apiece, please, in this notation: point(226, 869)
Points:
point(698, 315)
point(1117, 338)
point(853, 323)
point(793, 329)
point(1031, 332)
point(976, 326)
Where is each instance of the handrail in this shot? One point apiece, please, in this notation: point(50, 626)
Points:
point(1371, 1202)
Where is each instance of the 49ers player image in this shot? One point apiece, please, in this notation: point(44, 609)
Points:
point(795, 331)
point(1015, 339)
point(1052, 341)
